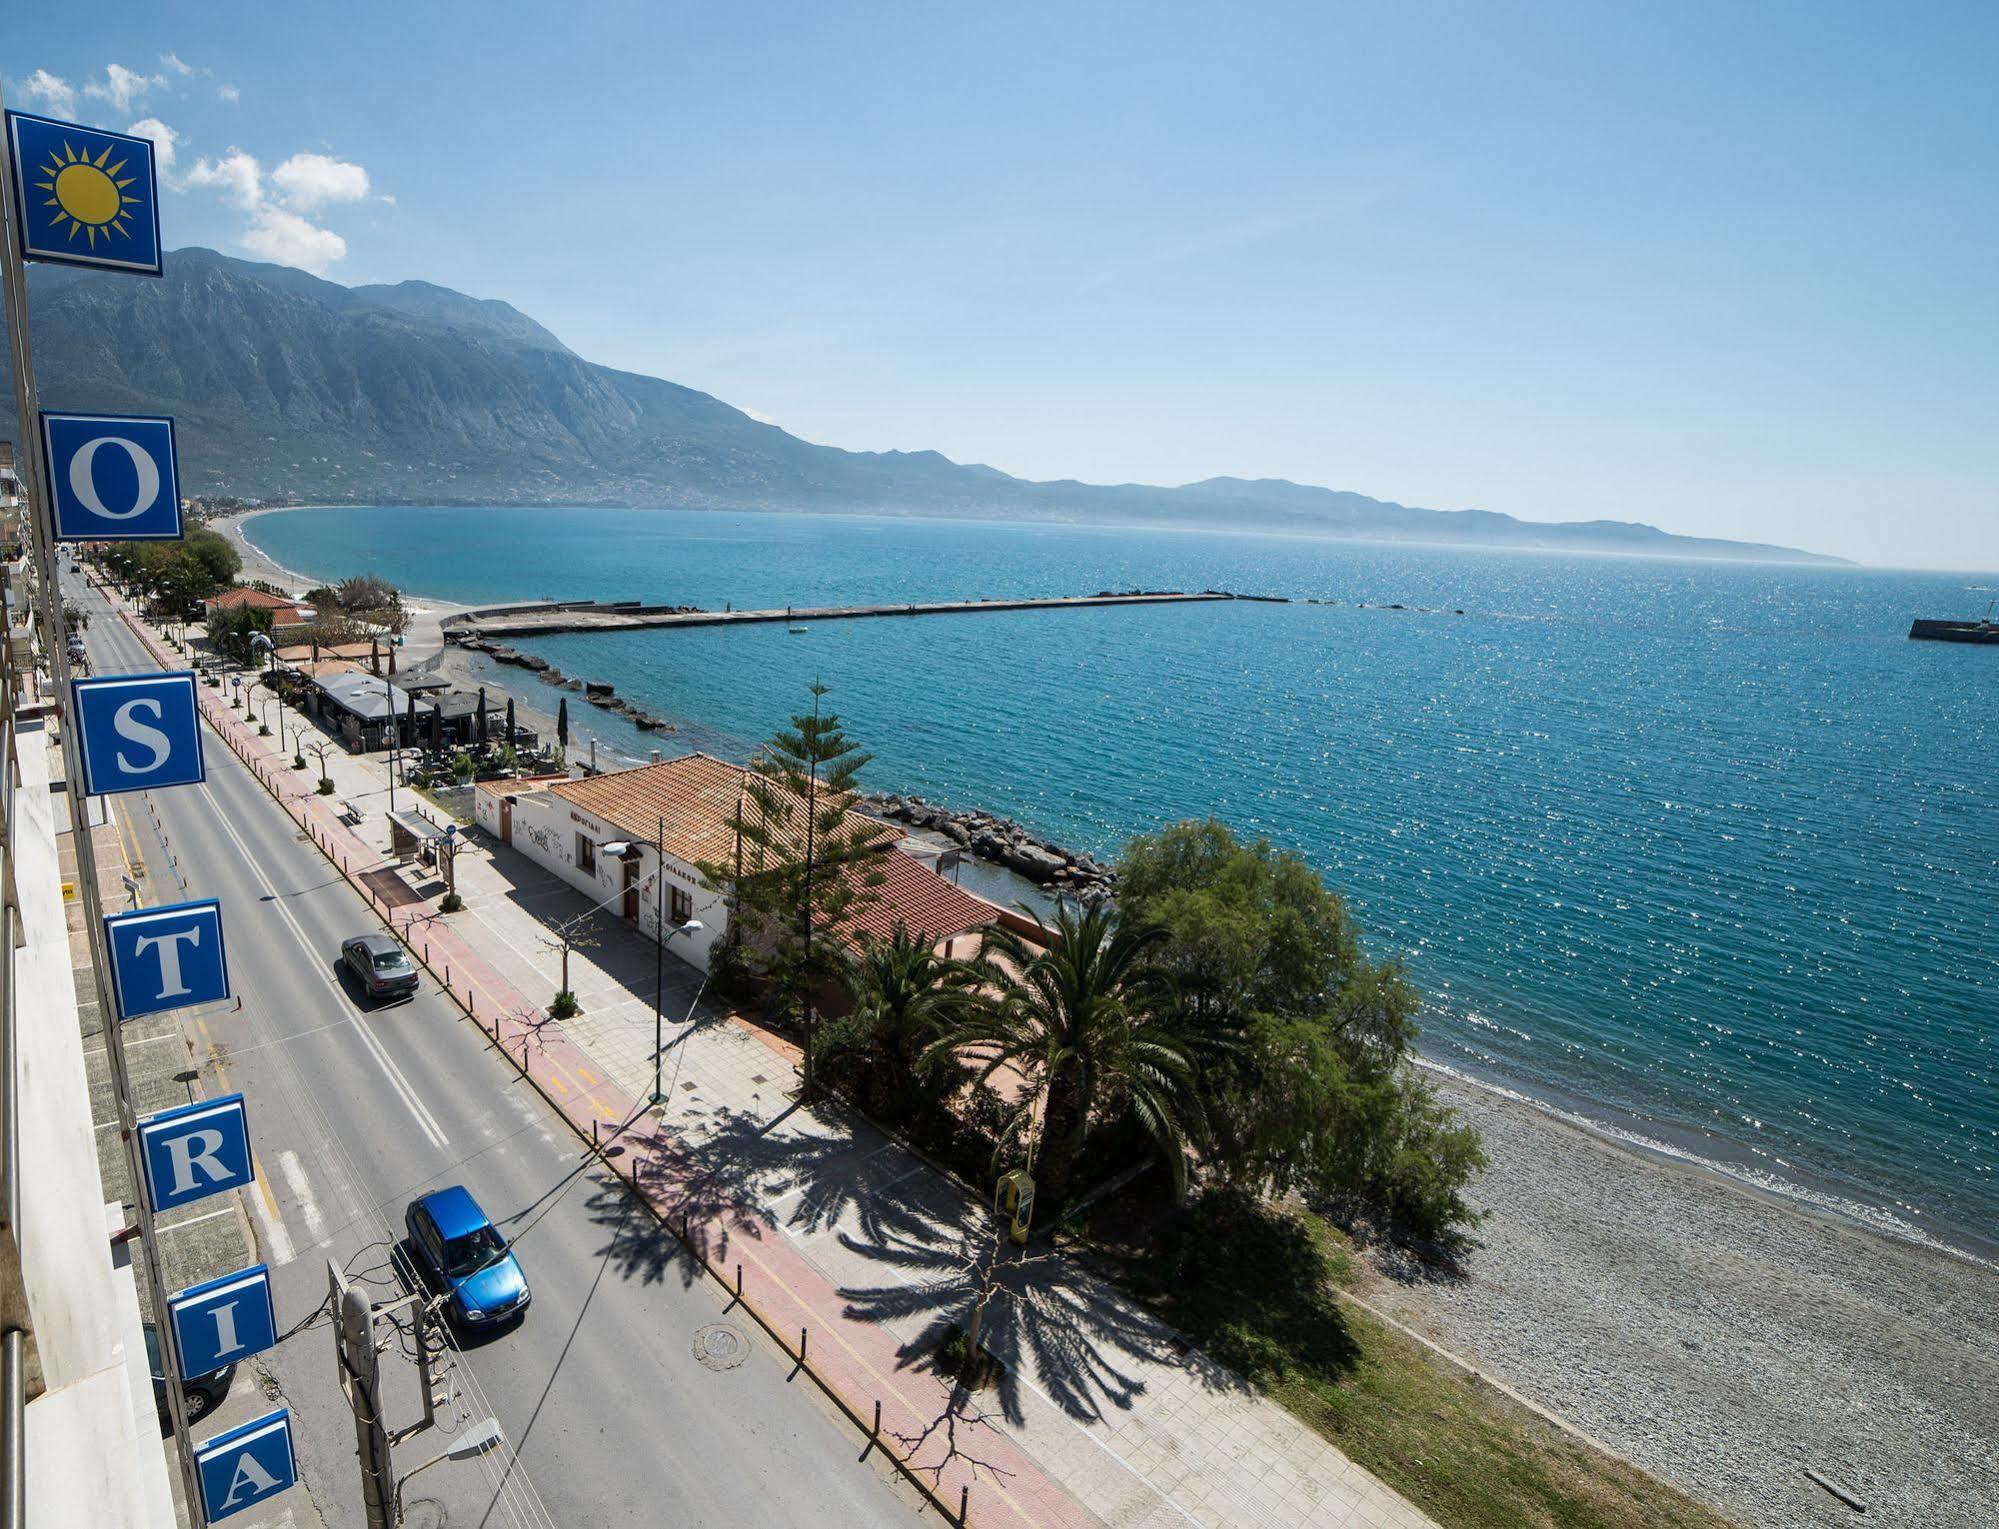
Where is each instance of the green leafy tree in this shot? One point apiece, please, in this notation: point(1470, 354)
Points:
point(1084, 1014)
point(231, 630)
point(903, 997)
point(802, 863)
point(1305, 1045)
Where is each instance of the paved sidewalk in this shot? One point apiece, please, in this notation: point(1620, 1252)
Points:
point(1105, 1415)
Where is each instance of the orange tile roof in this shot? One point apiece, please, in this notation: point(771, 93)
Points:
point(914, 896)
point(291, 652)
point(695, 794)
point(229, 599)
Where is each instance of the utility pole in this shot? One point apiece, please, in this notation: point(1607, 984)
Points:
point(359, 1369)
point(40, 516)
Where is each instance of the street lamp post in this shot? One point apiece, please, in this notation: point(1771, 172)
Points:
point(481, 1437)
point(661, 934)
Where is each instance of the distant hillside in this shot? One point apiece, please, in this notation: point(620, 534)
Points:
point(283, 383)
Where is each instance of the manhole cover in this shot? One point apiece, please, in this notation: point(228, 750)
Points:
point(721, 1346)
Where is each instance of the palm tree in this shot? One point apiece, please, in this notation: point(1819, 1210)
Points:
point(1081, 1014)
point(903, 997)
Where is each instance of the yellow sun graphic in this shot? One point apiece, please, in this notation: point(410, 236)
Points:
point(87, 194)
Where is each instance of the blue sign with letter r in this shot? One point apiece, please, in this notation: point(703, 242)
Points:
point(196, 1150)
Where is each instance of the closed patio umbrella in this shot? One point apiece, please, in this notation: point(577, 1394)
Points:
point(562, 722)
point(481, 720)
point(436, 728)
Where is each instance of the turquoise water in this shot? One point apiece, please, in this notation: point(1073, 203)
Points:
point(1709, 854)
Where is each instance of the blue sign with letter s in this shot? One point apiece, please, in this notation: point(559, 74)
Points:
point(242, 1467)
point(196, 1150)
point(138, 731)
point(112, 477)
point(167, 958)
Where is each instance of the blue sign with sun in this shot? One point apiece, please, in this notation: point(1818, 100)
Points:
point(85, 196)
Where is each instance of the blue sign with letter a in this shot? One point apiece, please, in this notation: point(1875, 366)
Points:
point(167, 958)
point(196, 1150)
point(112, 477)
point(85, 196)
point(223, 1321)
point(138, 731)
point(242, 1467)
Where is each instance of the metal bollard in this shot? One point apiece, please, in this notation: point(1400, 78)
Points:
point(964, 1506)
point(803, 1334)
point(739, 1296)
point(877, 1432)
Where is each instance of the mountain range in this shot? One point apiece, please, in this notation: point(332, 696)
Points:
point(284, 384)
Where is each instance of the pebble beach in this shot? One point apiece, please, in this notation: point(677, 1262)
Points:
point(1719, 1337)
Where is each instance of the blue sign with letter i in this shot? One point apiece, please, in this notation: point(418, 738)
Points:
point(112, 477)
point(84, 196)
point(222, 1321)
point(167, 958)
point(242, 1467)
point(138, 731)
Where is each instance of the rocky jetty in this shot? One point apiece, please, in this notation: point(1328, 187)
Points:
point(1002, 842)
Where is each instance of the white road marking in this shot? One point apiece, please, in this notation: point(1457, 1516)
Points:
point(276, 1238)
point(308, 1207)
point(424, 1119)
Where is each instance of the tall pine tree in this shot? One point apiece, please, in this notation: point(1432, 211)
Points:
point(801, 865)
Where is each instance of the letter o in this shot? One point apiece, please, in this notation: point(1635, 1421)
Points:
point(81, 485)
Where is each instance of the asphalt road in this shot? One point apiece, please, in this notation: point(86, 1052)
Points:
point(608, 1416)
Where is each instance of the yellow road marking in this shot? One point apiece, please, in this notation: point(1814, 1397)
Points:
point(587, 1078)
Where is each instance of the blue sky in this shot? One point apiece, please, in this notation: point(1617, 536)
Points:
point(1732, 269)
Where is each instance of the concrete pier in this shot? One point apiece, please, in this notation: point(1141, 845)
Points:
point(544, 618)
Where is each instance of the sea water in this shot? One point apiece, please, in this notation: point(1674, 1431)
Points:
point(1706, 853)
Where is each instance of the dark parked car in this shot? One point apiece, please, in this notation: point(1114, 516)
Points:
point(202, 1392)
point(462, 1252)
point(379, 965)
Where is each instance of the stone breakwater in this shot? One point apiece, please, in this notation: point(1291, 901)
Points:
point(597, 692)
point(1002, 841)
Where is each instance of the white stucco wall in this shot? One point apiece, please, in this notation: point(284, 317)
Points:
point(545, 829)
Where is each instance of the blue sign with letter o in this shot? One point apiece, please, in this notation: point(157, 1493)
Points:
point(222, 1321)
point(242, 1467)
point(138, 731)
point(112, 477)
point(196, 1150)
point(85, 196)
point(167, 958)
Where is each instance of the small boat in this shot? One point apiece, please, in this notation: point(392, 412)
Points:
point(795, 630)
point(1985, 630)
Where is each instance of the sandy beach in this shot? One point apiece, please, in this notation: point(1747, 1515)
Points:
point(1723, 1338)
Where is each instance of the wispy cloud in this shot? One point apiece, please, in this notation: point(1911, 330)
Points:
point(174, 64)
point(290, 239)
point(122, 87)
point(228, 93)
point(165, 142)
point(310, 181)
point(236, 175)
point(278, 202)
point(50, 91)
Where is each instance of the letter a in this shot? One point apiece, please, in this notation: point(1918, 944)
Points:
point(250, 1474)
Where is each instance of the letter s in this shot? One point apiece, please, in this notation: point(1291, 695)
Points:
point(125, 722)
